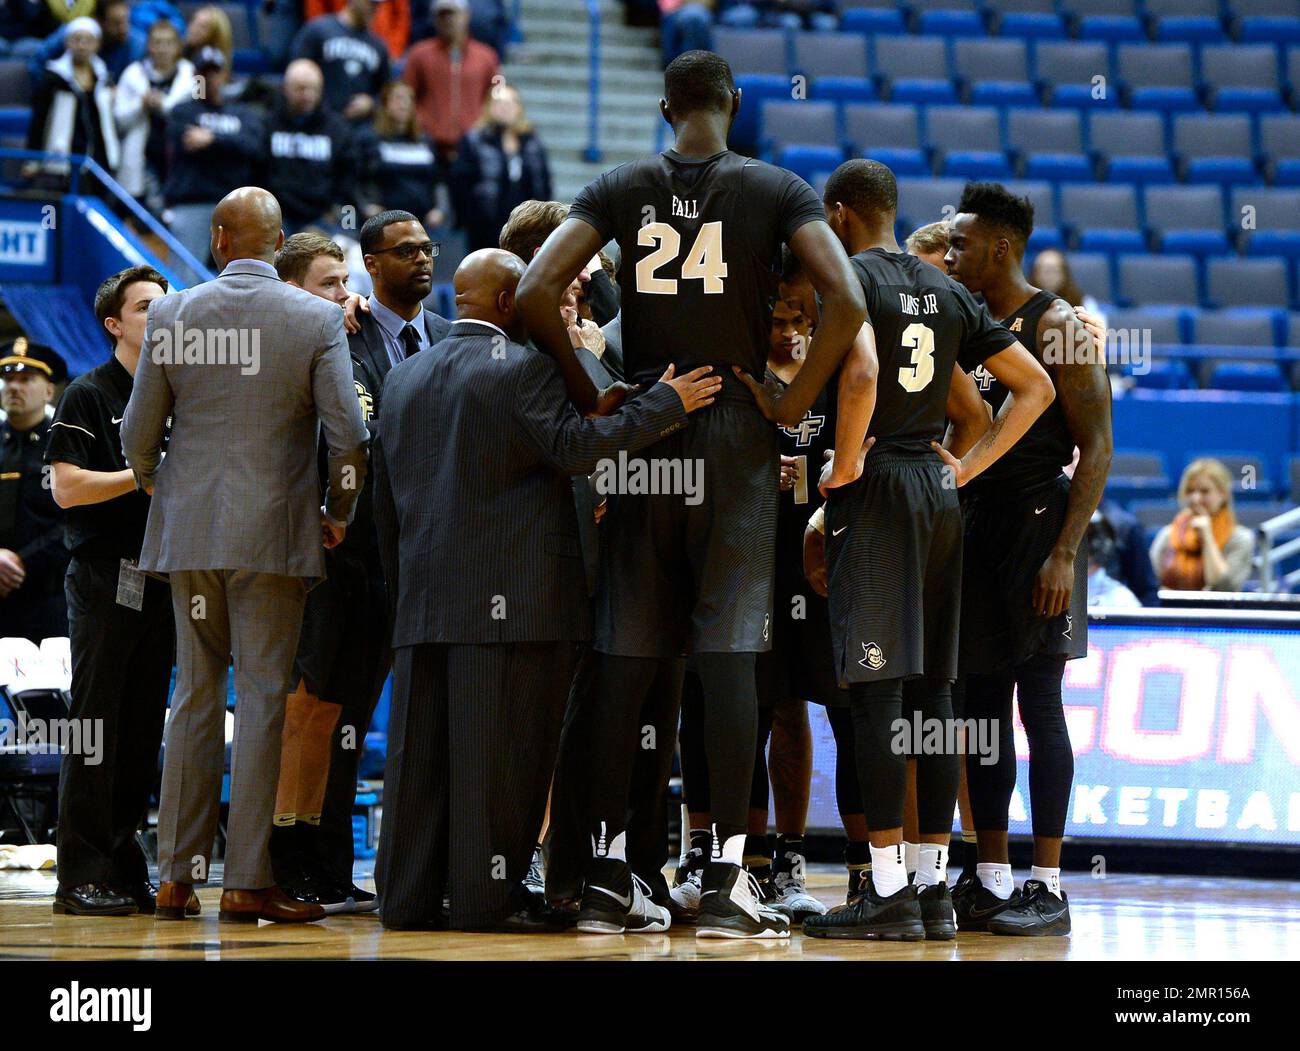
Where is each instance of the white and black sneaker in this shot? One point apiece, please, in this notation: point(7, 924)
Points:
point(617, 902)
point(791, 890)
point(731, 906)
point(686, 887)
point(535, 880)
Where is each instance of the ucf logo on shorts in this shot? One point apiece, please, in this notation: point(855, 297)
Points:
point(873, 656)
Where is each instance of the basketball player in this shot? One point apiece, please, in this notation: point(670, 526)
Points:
point(699, 229)
point(1024, 593)
point(894, 546)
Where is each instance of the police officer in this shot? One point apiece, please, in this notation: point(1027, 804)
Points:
point(120, 621)
point(32, 556)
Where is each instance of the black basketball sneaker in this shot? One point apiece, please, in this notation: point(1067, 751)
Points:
point(1039, 913)
point(731, 906)
point(975, 908)
point(895, 918)
point(615, 901)
point(937, 913)
point(966, 884)
point(790, 889)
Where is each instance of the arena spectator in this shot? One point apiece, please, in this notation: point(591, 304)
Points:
point(392, 22)
point(1104, 591)
point(120, 42)
point(402, 170)
point(353, 60)
point(1203, 548)
point(1051, 272)
point(685, 25)
point(212, 146)
point(501, 164)
point(146, 93)
point(451, 75)
point(488, 22)
point(210, 27)
point(72, 111)
point(1129, 561)
point(33, 557)
point(309, 167)
point(784, 14)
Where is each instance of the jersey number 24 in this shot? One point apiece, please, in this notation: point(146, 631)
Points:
point(703, 262)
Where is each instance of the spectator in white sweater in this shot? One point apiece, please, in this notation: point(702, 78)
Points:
point(146, 93)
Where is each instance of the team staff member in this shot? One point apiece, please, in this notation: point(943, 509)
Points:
point(33, 557)
point(119, 622)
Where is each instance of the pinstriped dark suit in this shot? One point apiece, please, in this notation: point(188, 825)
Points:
point(479, 541)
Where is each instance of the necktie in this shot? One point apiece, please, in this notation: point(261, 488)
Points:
point(410, 340)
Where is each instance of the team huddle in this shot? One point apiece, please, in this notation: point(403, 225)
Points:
point(948, 549)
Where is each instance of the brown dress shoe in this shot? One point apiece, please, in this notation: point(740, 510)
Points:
point(270, 903)
point(176, 901)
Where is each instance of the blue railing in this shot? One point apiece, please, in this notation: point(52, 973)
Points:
point(80, 165)
point(592, 152)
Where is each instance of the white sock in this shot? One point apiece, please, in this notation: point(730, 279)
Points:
point(614, 849)
point(931, 865)
point(732, 851)
point(1052, 877)
point(888, 873)
point(909, 856)
point(996, 878)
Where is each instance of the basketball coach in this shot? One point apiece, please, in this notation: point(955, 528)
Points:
point(246, 365)
point(490, 598)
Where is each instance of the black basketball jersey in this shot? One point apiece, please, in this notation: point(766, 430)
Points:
point(924, 322)
point(700, 243)
point(808, 442)
point(1048, 445)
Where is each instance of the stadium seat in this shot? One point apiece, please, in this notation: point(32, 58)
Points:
point(1186, 219)
point(968, 141)
point(755, 89)
point(1149, 325)
point(1046, 232)
point(948, 18)
point(1293, 329)
point(1266, 22)
point(915, 68)
point(870, 19)
point(1026, 19)
point(1246, 375)
point(818, 55)
point(1245, 468)
point(810, 161)
point(1279, 142)
point(1214, 148)
point(804, 123)
point(1104, 218)
point(1231, 282)
point(1242, 78)
point(1066, 72)
point(752, 50)
point(1131, 146)
point(1157, 76)
point(996, 70)
point(1254, 515)
point(1191, 29)
point(887, 133)
point(922, 201)
point(1136, 475)
point(842, 90)
point(1154, 514)
point(1162, 279)
point(1164, 374)
point(1274, 219)
point(1234, 327)
point(15, 83)
point(1049, 144)
point(1093, 274)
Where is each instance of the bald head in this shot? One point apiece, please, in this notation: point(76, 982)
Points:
point(485, 285)
point(246, 225)
point(303, 86)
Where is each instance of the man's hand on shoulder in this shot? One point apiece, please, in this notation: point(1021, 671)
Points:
point(353, 307)
point(696, 388)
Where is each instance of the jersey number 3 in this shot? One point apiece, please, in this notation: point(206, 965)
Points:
point(920, 340)
point(703, 262)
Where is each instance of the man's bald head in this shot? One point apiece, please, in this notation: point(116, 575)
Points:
point(485, 284)
point(246, 225)
point(303, 86)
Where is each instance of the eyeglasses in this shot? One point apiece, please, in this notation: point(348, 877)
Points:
point(407, 252)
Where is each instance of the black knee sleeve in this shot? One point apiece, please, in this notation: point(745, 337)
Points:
point(988, 705)
point(622, 684)
point(882, 768)
point(730, 728)
point(1051, 759)
point(848, 795)
point(937, 773)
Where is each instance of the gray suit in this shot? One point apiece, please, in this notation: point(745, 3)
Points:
point(235, 522)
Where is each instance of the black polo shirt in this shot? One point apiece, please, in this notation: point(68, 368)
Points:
point(87, 433)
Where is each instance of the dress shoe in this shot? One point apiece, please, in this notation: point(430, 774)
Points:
point(146, 897)
point(269, 903)
point(93, 899)
point(175, 901)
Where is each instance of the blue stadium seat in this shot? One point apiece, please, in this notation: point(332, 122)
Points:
point(802, 123)
point(1186, 219)
point(1157, 76)
point(996, 70)
point(1247, 375)
point(1164, 374)
point(818, 55)
point(974, 132)
point(755, 89)
point(1153, 324)
point(1266, 21)
point(809, 161)
point(1131, 146)
point(1110, 28)
point(1049, 144)
point(1279, 142)
point(951, 24)
point(976, 165)
point(1139, 471)
point(1292, 332)
point(1094, 274)
point(1215, 148)
point(1231, 282)
point(1262, 488)
point(1192, 29)
point(842, 90)
point(1066, 72)
point(887, 133)
point(752, 50)
point(1234, 327)
point(915, 68)
point(1275, 219)
point(1163, 279)
point(1104, 218)
point(871, 21)
point(922, 201)
point(1242, 78)
point(1026, 19)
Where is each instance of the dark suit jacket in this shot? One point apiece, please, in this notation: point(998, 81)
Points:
point(368, 346)
point(473, 501)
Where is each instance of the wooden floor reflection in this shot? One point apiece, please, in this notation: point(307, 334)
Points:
point(1118, 918)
